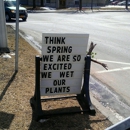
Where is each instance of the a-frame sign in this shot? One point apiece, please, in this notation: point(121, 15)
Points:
point(62, 69)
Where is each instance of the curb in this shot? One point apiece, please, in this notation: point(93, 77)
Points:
point(84, 9)
point(107, 113)
point(74, 11)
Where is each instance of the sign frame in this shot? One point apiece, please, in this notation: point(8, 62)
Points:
point(61, 50)
point(83, 98)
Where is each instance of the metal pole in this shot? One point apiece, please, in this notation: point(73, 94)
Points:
point(3, 32)
point(17, 36)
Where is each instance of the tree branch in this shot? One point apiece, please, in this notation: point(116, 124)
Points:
point(92, 46)
point(104, 65)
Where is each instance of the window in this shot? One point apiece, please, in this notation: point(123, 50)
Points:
point(48, 1)
point(77, 2)
point(10, 3)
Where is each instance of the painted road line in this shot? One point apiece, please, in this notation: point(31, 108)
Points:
point(114, 62)
point(113, 70)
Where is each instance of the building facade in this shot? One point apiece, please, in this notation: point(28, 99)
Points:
point(64, 3)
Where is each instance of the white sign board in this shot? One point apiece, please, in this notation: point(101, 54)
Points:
point(62, 63)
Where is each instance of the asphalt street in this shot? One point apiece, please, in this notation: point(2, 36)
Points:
point(111, 32)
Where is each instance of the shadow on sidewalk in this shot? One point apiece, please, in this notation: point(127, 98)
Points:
point(7, 86)
point(5, 120)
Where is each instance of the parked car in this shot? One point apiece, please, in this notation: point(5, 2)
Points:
point(10, 10)
point(123, 3)
point(115, 2)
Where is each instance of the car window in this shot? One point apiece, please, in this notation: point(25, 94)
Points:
point(10, 3)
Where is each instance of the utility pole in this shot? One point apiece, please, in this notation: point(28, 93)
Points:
point(3, 32)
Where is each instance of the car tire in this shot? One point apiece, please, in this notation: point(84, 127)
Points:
point(7, 17)
point(24, 19)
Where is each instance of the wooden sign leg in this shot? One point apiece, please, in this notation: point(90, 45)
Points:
point(85, 89)
point(35, 101)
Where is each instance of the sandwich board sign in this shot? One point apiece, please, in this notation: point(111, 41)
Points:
point(62, 64)
point(60, 70)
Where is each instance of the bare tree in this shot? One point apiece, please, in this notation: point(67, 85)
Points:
point(91, 4)
point(80, 5)
point(126, 5)
point(42, 2)
point(34, 4)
